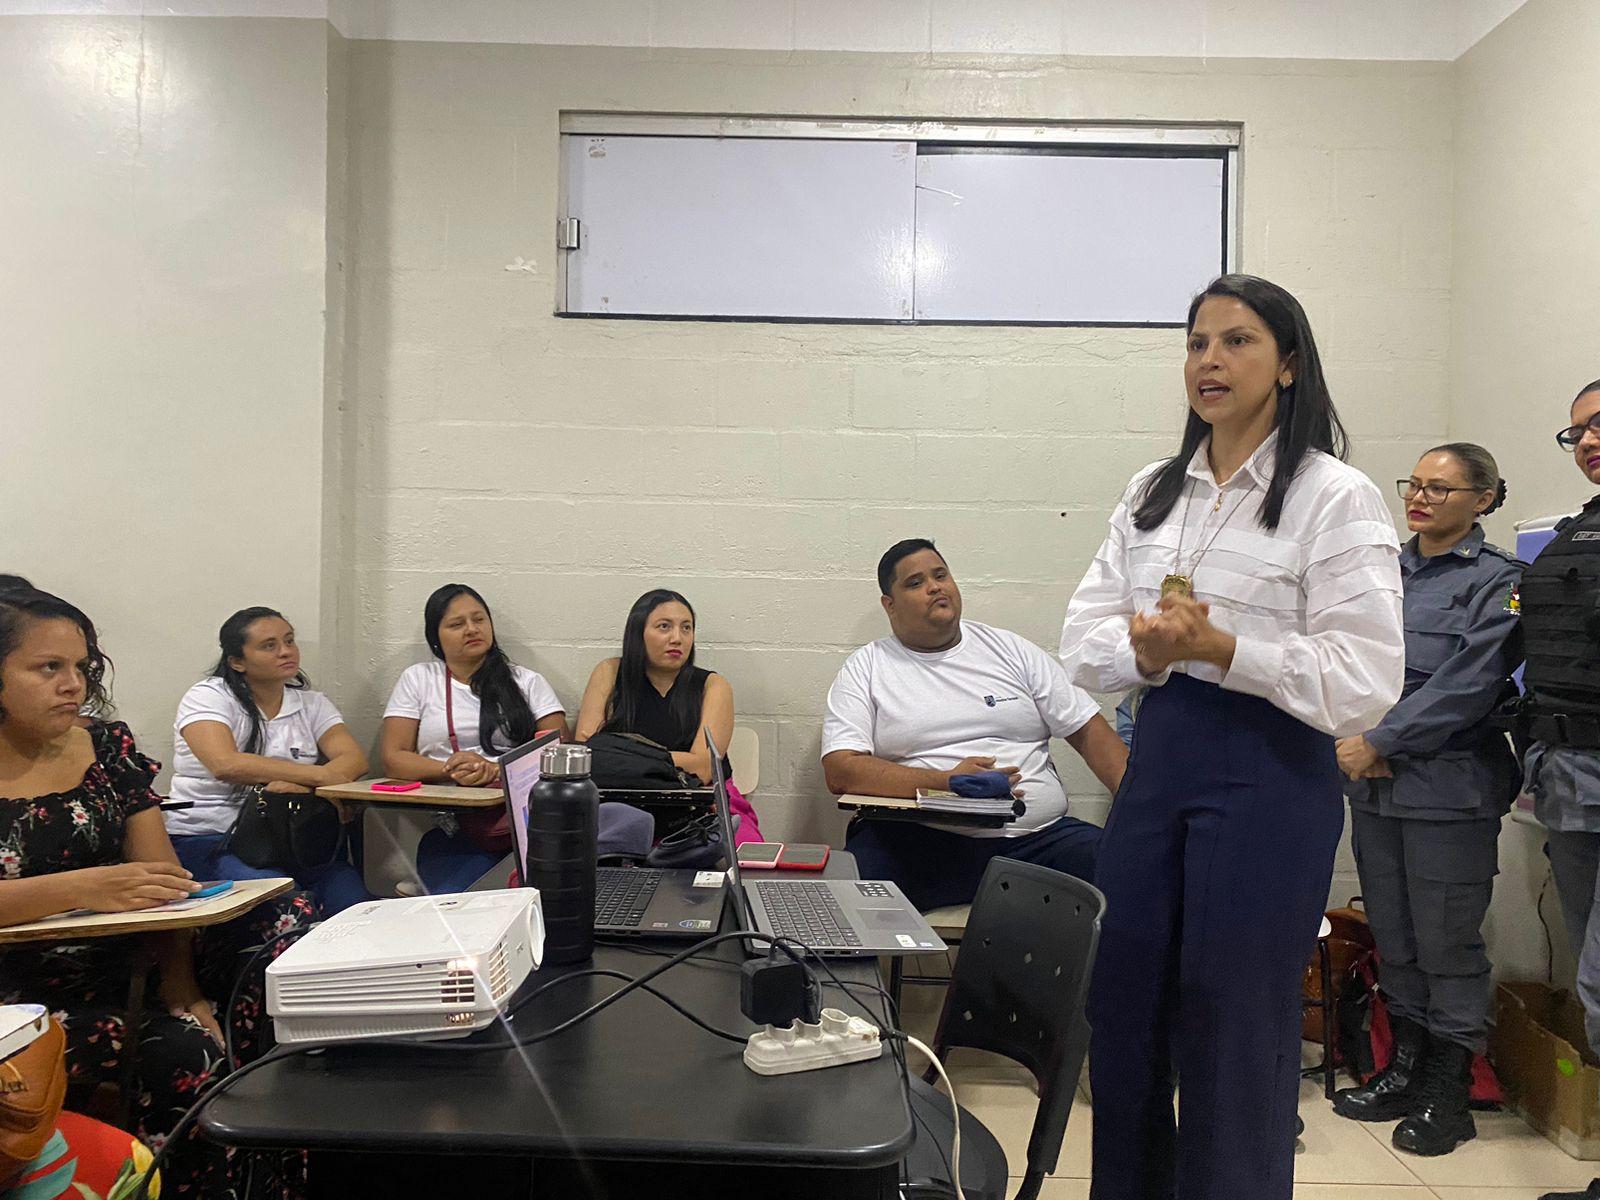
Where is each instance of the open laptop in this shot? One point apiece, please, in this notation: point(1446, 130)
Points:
point(627, 900)
point(841, 918)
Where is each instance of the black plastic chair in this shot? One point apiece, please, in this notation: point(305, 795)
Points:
point(1018, 990)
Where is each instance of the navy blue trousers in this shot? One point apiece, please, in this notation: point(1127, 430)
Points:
point(935, 868)
point(1215, 865)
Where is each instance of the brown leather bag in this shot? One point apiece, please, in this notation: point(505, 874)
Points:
point(1348, 940)
point(33, 1084)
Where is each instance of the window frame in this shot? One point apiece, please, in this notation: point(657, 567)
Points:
point(1153, 139)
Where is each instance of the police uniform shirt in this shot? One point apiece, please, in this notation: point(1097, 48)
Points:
point(1314, 604)
point(1461, 643)
point(291, 735)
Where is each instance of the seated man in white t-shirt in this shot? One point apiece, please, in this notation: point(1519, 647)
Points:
point(945, 697)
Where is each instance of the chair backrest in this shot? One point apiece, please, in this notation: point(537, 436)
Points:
point(1020, 985)
point(744, 756)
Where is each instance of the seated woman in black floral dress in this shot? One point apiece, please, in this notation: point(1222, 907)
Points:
point(80, 827)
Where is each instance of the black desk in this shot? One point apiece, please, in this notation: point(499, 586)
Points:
point(634, 1099)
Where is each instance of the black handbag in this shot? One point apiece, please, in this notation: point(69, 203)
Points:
point(631, 762)
point(296, 833)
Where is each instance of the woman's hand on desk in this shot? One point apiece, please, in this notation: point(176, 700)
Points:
point(467, 769)
point(129, 887)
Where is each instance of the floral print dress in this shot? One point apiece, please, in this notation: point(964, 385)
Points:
point(85, 984)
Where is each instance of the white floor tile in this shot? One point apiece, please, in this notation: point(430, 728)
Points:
point(1505, 1154)
point(1489, 1193)
point(1359, 1191)
point(1336, 1151)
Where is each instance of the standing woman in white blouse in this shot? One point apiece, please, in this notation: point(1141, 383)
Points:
point(1251, 582)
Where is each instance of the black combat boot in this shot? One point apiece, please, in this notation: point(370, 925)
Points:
point(1393, 1091)
point(1592, 1192)
point(1443, 1119)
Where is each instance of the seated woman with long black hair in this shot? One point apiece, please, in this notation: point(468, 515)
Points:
point(448, 719)
point(654, 690)
point(80, 827)
point(254, 722)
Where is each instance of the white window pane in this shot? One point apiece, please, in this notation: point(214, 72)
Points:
point(741, 227)
point(1053, 237)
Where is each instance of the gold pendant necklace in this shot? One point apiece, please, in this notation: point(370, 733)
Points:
point(1181, 583)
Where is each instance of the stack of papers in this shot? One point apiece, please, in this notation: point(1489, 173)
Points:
point(951, 804)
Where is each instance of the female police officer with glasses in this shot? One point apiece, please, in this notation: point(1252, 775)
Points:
point(1430, 783)
point(1560, 601)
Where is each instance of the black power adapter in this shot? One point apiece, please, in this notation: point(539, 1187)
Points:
point(778, 991)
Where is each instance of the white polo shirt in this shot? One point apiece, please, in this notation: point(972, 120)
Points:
point(419, 695)
point(993, 693)
point(291, 735)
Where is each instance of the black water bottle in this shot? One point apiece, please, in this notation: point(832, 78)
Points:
point(563, 825)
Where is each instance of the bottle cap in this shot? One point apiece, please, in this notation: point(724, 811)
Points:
point(563, 761)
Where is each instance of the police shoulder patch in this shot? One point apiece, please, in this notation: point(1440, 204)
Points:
point(1514, 600)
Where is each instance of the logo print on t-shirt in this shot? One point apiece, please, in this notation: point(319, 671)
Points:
point(991, 701)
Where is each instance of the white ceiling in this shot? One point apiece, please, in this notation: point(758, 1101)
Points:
point(1367, 29)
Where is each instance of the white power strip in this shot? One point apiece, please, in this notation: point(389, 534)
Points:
point(835, 1040)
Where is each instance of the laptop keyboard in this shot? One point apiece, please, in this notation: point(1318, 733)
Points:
point(806, 912)
point(621, 894)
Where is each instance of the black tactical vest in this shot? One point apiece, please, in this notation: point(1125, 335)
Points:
point(1560, 595)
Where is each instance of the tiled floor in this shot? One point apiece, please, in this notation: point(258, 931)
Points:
point(1337, 1159)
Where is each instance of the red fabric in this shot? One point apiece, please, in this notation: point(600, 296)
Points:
point(101, 1153)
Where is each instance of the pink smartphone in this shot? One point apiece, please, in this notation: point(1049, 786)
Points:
point(760, 854)
point(397, 785)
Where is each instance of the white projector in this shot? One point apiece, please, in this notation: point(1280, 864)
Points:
point(420, 967)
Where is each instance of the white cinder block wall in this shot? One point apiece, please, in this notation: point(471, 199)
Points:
point(564, 466)
point(163, 193)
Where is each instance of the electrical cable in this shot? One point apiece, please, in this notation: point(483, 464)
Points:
point(788, 946)
point(294, 931)
point(512, 1041)
point(181, 1129)
point(955, 1114)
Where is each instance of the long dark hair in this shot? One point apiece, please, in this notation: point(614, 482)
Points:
point(20, 607)
point(683, 706)
point(231, 638)
point(501, 704)
point(1306, 418)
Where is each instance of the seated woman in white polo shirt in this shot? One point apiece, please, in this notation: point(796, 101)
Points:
point(945, 696)
point(448, 719)
point(256, 721)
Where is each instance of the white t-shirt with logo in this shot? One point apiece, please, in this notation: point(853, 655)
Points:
point(419, 695)
point(993, 693)
point(291, 735)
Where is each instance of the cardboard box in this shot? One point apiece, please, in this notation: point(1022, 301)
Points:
point(1551, 1077)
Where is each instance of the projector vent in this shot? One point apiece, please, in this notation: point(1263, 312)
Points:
point(499, 975)
point(456, 987)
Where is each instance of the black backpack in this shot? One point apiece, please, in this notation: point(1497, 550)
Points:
point(626, 760)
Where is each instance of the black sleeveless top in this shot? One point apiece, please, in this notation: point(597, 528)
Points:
point(654, 717)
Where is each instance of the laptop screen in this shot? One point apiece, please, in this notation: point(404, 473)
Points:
point(519, 771)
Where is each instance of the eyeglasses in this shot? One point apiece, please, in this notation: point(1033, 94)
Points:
point(1569, 437)
point(1433, 493)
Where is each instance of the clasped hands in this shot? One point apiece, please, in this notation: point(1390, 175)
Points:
point(1180, 630)
point(467, 769)
point(1358, 760)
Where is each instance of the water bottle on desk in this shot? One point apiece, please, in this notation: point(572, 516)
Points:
point(563, 825)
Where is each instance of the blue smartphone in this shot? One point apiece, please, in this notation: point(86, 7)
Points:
point(215, 888)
